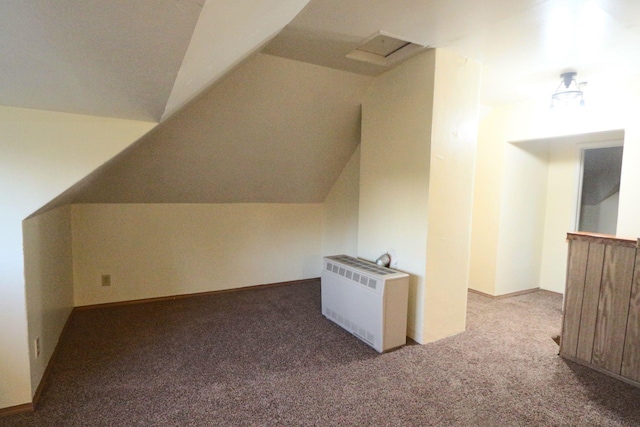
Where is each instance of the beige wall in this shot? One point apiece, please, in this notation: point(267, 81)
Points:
point(600, 121)
point(454, 135)
point(560, 213)
point(340, 222)
point(155, 250)
point(48, 283)
point(522, 214)
point(419, 132)
point(43, 153)
point(486, 202)
point(394, 173)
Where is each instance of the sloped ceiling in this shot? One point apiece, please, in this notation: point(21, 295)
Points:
point(112, 58)
point(279, 127)
point(139, 60)
point(274, 130)
point(523, 45)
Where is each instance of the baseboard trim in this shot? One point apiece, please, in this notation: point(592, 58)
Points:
point(194, 295)
point(14, 410)
point(30, 407)
point(509, 295)
point(552, 292)
point(47, 370)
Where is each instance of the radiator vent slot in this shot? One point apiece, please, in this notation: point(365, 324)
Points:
point(357, 277)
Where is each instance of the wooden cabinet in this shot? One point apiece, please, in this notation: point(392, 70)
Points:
point(601, 318)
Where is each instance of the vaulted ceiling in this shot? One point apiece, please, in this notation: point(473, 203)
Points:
point(164, 61)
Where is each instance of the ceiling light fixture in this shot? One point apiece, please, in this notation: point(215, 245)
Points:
point(569, 91)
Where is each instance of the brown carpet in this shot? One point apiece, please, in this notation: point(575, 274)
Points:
point(268, 357)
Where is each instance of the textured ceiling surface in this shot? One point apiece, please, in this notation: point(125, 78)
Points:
point(105, 58)
point(524, 45)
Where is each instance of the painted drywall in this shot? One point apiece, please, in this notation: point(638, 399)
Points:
point(156, 250)
point(394, 173)
point(111, 59)
point(43, 153)
point(225, 34)
point(340, 207)
point(48, 270)
point(486, 202)
point(601, 218)
point(273, 131)
point(563, 182)
point(563, 179)
point(522, 213)
point(419, 132)
point(454, 133)
point(600, 121)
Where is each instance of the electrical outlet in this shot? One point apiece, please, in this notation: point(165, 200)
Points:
point(36, 347)
point(106, 280)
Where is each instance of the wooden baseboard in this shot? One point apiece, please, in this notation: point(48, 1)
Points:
point(552, 292)
point(47, 371)
point(195, 295)
point(14, 410)
point(30, 407)
point(510, 295)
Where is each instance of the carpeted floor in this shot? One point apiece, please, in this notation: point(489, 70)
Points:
point(268, 357)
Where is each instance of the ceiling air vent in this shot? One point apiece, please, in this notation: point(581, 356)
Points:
point(384, 49)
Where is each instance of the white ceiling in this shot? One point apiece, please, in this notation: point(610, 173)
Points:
point(524, 45)
point(138, 60)
point(145, 59)
point(112, 58)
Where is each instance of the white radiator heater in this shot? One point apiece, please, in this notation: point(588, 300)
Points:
point(367, 300)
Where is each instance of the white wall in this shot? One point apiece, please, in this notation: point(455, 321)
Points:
point(48, 283)
point(43, 153)
point(340, 223)
point(156, 250)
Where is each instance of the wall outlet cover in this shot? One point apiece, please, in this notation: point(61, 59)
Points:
point(106, 280)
